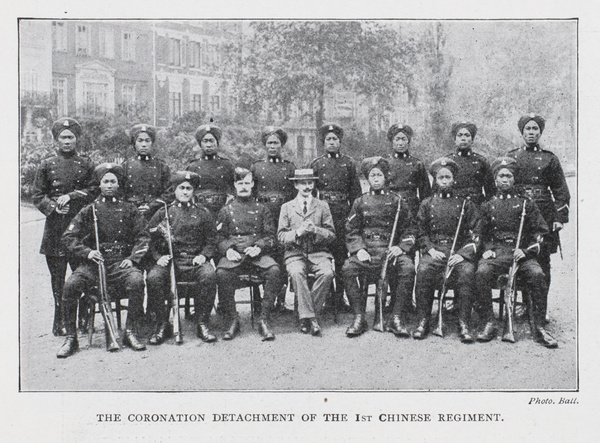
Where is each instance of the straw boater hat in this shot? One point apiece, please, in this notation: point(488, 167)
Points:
point(304, 174)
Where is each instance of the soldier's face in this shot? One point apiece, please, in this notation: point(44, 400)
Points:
point(400, 142)
point(444, 178)
point(376, 179)
point(209, 144)
point(243, 187)
point(109, 184)
point(184, 192)
point(505, 179)
point(463, 139)
point(273, 146)
point(332, 143)
point(531, 132)
point(66, 141)
point(143, 144)
point(304, 187)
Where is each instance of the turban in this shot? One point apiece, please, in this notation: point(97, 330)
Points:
point(66, 123)
point(375, 162)
point(205, 129)
point(326, 129)
point(179, 177)
point(505, 163)
point(270, 130)
point(396, 128)
point(443, 162)
point(536, 118)
point(105, 168)
point(240, 173)
point(468, 126)
point(138, 129)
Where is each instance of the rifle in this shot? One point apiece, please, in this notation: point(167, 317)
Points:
point(173, 287)
point(382, 283)
point(511, 286)
point(110, 327)
point(439, 329)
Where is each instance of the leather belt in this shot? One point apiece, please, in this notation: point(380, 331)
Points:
point(271, 198)
point(534, 191)
point(377, 236)
point(332, 196)
point(211, 198)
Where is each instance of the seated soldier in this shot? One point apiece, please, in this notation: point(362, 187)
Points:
point(368, 232)
point(245, 236)
point(499, 228)
point(123, 243)
point(306, 231)
point(193, 241)
point(437, 223)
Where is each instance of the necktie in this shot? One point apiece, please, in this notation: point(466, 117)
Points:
point(305, 209)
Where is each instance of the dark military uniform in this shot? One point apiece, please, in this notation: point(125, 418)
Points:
point(541, 178)
point(474, 178)
point(59, 175)
point(498, 227)
point(339, 186)
point(192, 234)
point(271, 183)
point(243, 223)
point(216, 181)
point(437, 222)
point(122, 235)
point(146, 180)
point(408, 178)
point(369, 227)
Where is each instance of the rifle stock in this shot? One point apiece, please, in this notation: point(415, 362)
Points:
point(382, 283)
point(440, 321)
point(110, 327)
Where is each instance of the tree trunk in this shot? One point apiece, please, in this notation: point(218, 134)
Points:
point(320, 115)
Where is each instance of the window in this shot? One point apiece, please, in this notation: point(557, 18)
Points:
point(176, 104)
point(196, 102)
point(107, 43)
point(195, 55)
point(59, 34)
point(215, 103)
point(59, 91)
point(29, 82)
point(95, 98)
point(128, 97)
point(175, 52)
point(128, 52)
point(83, 41)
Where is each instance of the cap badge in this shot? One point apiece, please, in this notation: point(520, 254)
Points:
point(188, 176)
point(207, 128)
point(143, 129)
point(330, 127)
point(532, 115)
point(443, 162)
point(66, 124)
point(504, 162)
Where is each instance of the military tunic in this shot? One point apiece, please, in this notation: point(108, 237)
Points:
point(474, 178)
point(122, 235)
point(408, 178)
point(271, 183)
point(192, 233)
point(437, 222)
point(369, 226)
point(243, 223)
point(146, 180)
point(216, 181)
point(498, 228)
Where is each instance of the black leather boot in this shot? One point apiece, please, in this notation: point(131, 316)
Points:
point(69, 347)
point(58, 328)
point(163, 332)
point(545, 338)
point(421, 332)
point(358, 326)
point(204, 333)
point(397, 327)
point(265, 330)
point(488, 333)
point(232, 330)
point(132, 341)
point(465, 334)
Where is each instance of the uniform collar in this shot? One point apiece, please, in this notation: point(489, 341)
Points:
point(144, 157)
point(104, 199)
point(275, 159)
point(533, 148)
point(464, 152)
point(185, 205)
point(505, 195)
point(66, 154)
point(378, 191)
point(445, 194)
point(209, 157)
point(333, 154)
point(401, 154)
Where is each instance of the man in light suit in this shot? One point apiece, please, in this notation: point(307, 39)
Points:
point(306, 230)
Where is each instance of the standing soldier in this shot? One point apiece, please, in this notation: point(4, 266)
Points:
point(408, 175)
point(272, 185)
point(216, 172)
point(193, 238)
point(246, 236)
point(541, 178)
point(499, 228)
point(368, 232)
point(123, 241)
point(474, 179)
point(147, 177)
point(63, 185)
point(437, 221)
point(339, 186)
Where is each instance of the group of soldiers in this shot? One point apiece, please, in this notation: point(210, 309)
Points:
point(215, 222)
